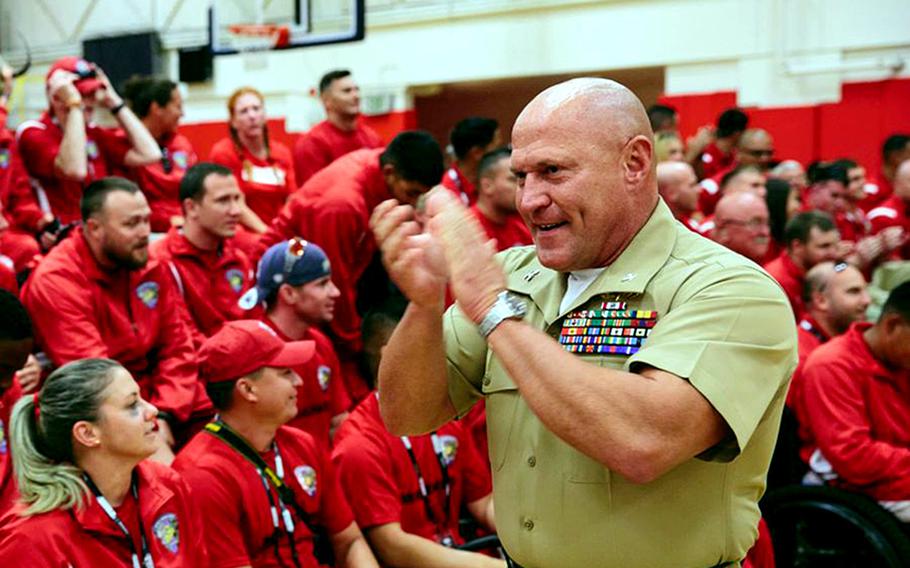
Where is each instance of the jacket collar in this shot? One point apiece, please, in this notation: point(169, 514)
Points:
point(629, 274)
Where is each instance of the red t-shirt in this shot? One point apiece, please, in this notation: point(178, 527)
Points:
point(791, 278)
point(381, 481)
point(876, 192)
point(858, 411)
point(39, 143)
point(229, 493)
point(892, 212)
point(80, 309)
point(458, 184)
point(512, 233)
point(160, 184)
point(322, 394)
point(710, 192)
point(853, 225)
point(267, 183)
point(88, 538)
point(325, 143)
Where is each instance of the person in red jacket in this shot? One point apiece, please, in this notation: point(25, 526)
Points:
point(495, 207)
point(857, 398)
point(64, 151)
point(21, 220)
point(89, 496)
point(97, 295)
point(16, 341)
point(895, 150)
point(890, 219)
point(208, 269)
point(294, 284)
point(263, 167)
point(811, 238)
point(718, 155)
point(158, 103)
point(470, 139)
point(341, 132)
point(238, 465)
point(333, 210)
point(836, 297)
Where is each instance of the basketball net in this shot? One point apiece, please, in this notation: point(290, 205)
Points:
point(253, 41)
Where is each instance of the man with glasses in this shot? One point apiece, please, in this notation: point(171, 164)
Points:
point(741, 225)
point(294, 285)
point(208, 268)
point(755, 149)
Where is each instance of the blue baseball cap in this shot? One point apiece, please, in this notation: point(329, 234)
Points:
point(294, 262)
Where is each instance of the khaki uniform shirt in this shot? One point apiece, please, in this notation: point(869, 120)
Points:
point(722, 324)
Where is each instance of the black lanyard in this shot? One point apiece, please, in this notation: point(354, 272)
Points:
point(285, 494)
point(441, 525)
point(147, 561)
point(807, 326)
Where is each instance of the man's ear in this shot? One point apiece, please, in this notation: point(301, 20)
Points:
point(246, 389)
point(638, 158)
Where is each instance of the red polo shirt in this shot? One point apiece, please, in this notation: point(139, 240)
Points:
point(333, 210)
point(231, 497)
point(791, 278)
point(858, 411)
point(322, 394)
point(381, 481)
point(80, 309)
point(512, 233)
point(87, 537)
point(266, 184)
point(210, 282)
point(325, 143)
point(39, 143)
point(161, 185)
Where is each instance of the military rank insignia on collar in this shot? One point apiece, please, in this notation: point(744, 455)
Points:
point(612, 328)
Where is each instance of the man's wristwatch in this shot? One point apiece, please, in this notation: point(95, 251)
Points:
point(506, 306)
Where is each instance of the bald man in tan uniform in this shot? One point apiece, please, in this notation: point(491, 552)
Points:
point(634, 372)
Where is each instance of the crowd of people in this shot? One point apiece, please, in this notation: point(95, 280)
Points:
point(193, 351)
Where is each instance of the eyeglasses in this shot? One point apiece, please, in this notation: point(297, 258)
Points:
point(840, 266)
point(753, 224)
point(295, 251)
point(759, 153)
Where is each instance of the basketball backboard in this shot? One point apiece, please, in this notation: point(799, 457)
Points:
point(236, 26)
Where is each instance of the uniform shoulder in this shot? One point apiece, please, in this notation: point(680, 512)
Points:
point(517, 259)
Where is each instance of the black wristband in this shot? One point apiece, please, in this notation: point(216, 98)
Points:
point(117, 109)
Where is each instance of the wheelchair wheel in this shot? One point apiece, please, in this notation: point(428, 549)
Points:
point(824, 526)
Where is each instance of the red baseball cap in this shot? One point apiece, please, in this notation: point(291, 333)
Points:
point(78, 66)
point(244, 346)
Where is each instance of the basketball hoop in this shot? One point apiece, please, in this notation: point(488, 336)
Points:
point(252, 41)
point(247, 38)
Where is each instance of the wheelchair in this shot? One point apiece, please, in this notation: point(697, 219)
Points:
point(823, 526)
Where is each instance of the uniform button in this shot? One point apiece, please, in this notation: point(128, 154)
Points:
point(529, 525)
point(486, 381)
point(532, 461)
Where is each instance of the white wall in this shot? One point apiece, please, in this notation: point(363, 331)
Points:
point(774, 52)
